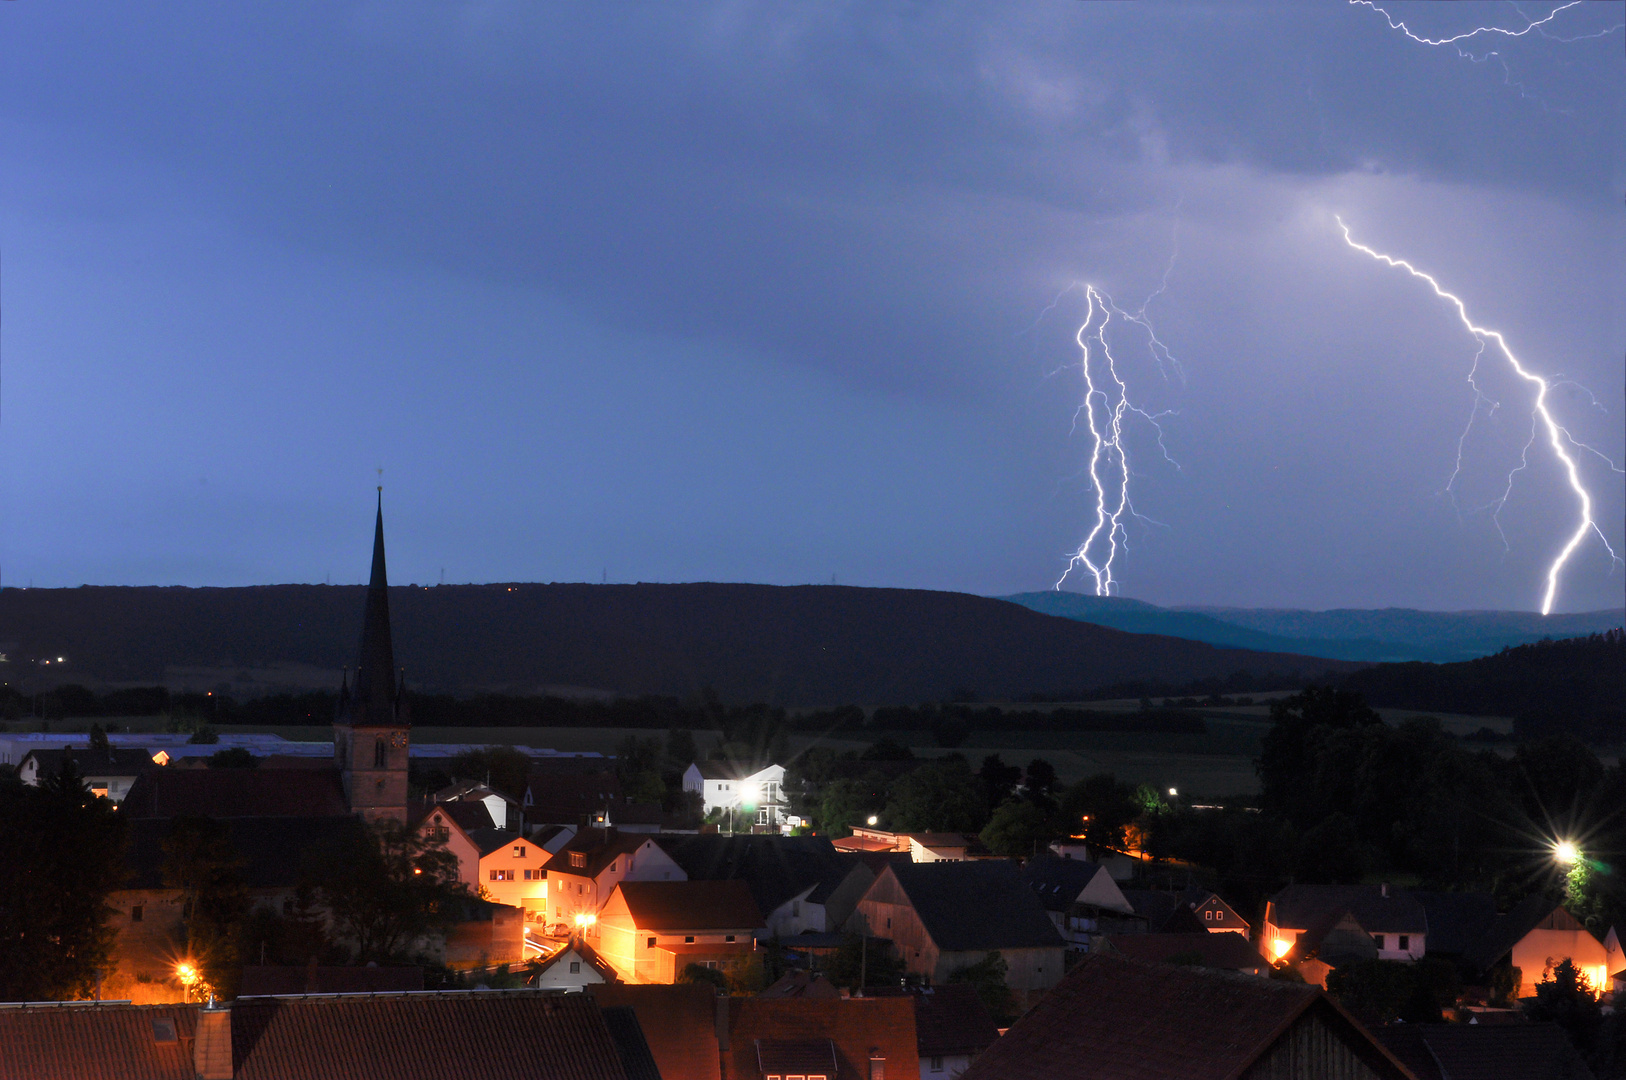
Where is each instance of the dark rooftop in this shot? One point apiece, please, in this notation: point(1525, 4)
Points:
point(976, 905)
point(236, 793)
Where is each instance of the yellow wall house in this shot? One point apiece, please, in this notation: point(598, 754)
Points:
point(649, 931)
point(1556, 938)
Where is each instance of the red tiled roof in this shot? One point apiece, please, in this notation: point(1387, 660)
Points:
point(854, 1028)
point(96, 1042)
point(235, 793)
point(311, 979)
point(1115, 1019)
point(470, 1036)
point(691, 905)
point(679, 1022)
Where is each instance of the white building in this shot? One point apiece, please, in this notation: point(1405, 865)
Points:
point(756, 798)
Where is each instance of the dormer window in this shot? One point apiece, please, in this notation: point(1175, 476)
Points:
point(578, 859)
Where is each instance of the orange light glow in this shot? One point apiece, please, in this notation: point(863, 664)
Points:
point(1280, 946)
point(186, 973)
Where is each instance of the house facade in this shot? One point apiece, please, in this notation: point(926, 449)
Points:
point(942, 917)
point(650, 931)
point(108, 773)
point(1397, 922)
point(583, 874)
point(756, 798)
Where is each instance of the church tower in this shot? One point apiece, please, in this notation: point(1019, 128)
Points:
point(371, 733)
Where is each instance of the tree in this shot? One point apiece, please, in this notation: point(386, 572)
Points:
point(1284, 754)
point(638, 766)
point(201, 861)
point(236, 757)
point(987, 976)
point(700, 973)
point(1564, 998)
point(858, 962)
point(1102, 807)
point(848, 802)
point(998, 780)
point(384, 886)
point(1040, 782)
point(940, 796)
point(98, 741)
point(680, 749)
point(63, 850)
point(1018, 828)
point(501, 768)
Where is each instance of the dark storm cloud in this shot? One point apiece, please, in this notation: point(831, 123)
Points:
point(636, 158)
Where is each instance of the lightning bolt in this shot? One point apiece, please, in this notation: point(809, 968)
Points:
point(1455, 40)
point(1541, 419)
point(1107, 412)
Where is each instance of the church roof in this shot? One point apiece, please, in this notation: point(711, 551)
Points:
point(376, 696)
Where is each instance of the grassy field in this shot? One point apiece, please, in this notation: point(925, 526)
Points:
point(1210, 765)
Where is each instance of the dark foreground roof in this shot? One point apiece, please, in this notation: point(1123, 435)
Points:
point(261, 981)
point(1484, 1051)
point(949, 1019)
point(235, 793)
point(678, 1021)
point(967, 906)
point(1114, 1019)
point(100, 1042)
point(691, 905)
point(503, 1035)
point(1057, 881)
point(1222, 951)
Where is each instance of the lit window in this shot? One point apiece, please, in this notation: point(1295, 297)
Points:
point(578, 858)
point(519, 851)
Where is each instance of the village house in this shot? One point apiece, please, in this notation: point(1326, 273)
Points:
point(1216, 914)
point(576, 798)
point(452, 825)
point(942, 917)
point(650, 931)
point(108, 773)
point(583, 873)
point(1534, 937)
point(1396, 921)
point(801, 884)
point(952, 1026)
point(573, 967)
point(1113, 1018)
point(920, 847)
point(502, 811)
point(1077, 895)
point(754, 797)
point(476, 1035)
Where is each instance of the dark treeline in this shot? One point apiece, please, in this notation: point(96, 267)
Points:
point(1574, 687)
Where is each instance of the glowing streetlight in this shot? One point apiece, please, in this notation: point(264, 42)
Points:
point(1566, 853)
point(586, 919)
point(873, 820)
point(1173, 793)
point(187, 974)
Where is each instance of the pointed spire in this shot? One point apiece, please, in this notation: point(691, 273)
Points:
point(375, 690)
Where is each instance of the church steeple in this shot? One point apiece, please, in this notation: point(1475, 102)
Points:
point(371, 740)
point(375, 691)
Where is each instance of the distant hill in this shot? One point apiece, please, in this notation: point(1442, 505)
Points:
point(1380, 635)
point(1571, 687)
point(795, 646)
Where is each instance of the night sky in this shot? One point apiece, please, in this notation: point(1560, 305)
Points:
point(786, 292)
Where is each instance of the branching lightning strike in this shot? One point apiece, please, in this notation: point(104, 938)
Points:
point(1535, 25)
point(1541, 419)
point(1107, 409)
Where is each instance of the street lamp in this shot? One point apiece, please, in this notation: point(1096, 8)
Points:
point(873, 821)
point(1566, 853)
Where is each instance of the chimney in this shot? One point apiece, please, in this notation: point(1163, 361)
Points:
point(722, 1023)
point(211, 1049)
